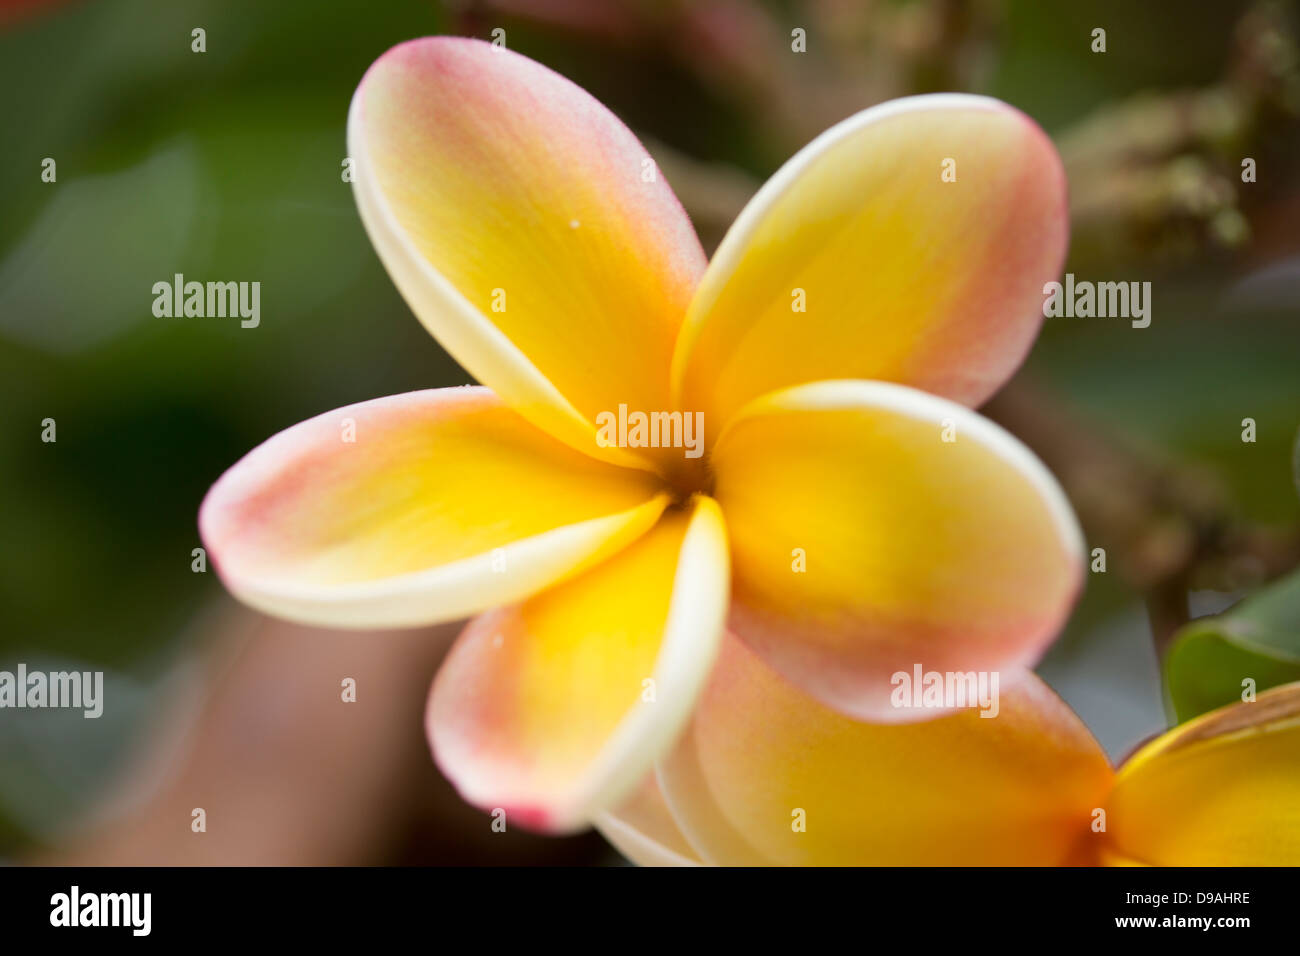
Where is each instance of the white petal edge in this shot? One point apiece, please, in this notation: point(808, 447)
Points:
point(458, 589)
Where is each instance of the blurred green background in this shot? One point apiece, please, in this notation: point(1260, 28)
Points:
point(226, 164)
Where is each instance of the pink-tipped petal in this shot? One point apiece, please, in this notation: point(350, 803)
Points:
point(414, 509)
point(527, 228)
point(876, 529)
point(554, 710)
point(909, 244)
point(766, 775)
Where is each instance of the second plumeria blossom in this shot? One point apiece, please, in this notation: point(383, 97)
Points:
point(847, 516)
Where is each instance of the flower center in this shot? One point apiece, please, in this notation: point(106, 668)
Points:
point(686, 477)
point(674, 440)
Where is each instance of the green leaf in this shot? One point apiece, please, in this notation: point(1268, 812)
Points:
point(1295, 462)
point(1259, 638)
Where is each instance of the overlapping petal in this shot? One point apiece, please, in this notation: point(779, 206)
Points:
point(555, 709)
point(765, 774)
point(865, 542)
point(904, 276)
point(413, 509)
point(1220, 790)
point(528, 229)
point(642, 828)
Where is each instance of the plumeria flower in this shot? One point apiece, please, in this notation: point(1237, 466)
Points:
point(849, 517)
point(1031, 787)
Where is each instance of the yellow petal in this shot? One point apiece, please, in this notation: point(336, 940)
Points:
point(555, 709)
point(765, 774)
point(864, 543)
point(642, 828)
point(527, 228)
point(414, 509)
point(1220, 790)
point(904, 277)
